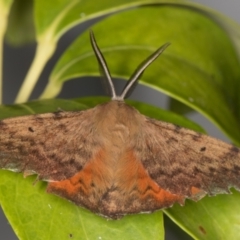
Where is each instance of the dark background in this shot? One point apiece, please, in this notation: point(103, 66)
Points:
point(18, 60)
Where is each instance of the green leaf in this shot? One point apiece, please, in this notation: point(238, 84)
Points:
point(35, 214)
point(232, 28)
point(37, 107)
point(210, 218)
point(52, 19)
point(61, 15)
point(178, 107)
point(49, 14)
point(193, 70)
point(20, 23)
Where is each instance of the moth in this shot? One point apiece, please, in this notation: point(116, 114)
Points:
point(115, 161)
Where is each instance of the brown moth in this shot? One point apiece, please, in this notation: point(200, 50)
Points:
point(113, 160)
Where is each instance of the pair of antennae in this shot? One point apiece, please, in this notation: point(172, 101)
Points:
point(132, 82)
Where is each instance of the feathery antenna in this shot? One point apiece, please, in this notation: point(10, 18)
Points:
point(132, 82)
point(103, 67)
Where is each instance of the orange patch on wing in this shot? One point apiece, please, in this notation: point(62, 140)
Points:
point(148, 187)
point(83, 180)
point(73, 184)
point(137, 176)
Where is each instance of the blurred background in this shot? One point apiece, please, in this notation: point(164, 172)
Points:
point(18, 59)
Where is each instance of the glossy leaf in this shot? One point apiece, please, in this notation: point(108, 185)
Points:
point(178, 107)
point(60, 15)
point(210, 218)
point(20, 23)
point(34, 214)
point(52, 19)
point(193, 70)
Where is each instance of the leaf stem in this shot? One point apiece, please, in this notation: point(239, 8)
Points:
point(2, 31)
point(4, 10)
point(44, 51)
point(51, 90)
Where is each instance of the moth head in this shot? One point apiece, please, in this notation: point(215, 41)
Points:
point(132, 82)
